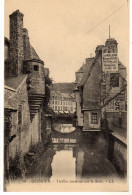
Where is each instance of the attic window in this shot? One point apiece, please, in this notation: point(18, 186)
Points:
point(36, 67)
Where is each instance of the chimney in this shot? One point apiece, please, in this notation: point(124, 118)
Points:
point(16, 43)
point(46, 70)
point(98, 48)
point(26, 42)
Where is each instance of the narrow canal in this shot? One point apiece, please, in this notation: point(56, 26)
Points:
point(74, 155)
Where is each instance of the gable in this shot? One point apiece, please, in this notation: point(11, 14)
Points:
point(91, 89)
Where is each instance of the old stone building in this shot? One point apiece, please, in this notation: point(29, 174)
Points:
point(101, 97)
point(98, 81)
point(24, 93)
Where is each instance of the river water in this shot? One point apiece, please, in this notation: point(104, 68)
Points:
point(72, 156)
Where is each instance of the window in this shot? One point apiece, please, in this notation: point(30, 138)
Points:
point(20, 115)
point(114, 79)
point(55, 108)
point(94, 118)
point(36, 67)
point(55, 102)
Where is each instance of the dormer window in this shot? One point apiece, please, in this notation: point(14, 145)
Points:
point(36, 67)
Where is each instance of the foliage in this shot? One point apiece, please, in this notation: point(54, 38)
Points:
point(48, 81)
point(15, 168)
point(47, 95)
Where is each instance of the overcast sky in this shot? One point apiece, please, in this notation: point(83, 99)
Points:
point(65, 32)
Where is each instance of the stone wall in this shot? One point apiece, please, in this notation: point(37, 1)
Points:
point(120, 157)
point(6, 52)
point(23, 137)
point(16, 43)
point(8, 92)
point(35, 129)
point(37, 79)
point(117, 154)
point(78, 109)
point(30, 132)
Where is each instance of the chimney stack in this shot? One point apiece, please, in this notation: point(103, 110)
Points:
point(26, 42)
point(16, 43)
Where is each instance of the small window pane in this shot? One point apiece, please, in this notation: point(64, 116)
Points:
point(36, 67)
point(94, 118)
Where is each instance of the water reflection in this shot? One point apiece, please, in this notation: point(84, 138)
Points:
point(63, 165)
point(63, 128)
point(63, 140)
point(68, 158)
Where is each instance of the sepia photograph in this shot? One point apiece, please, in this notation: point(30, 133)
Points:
point(66, 67)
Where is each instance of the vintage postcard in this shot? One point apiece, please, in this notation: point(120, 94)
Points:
point(66, 65)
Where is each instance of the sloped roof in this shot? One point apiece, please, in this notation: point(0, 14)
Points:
point(122, 73)
point(85, 65)
point(30, 53)
point(82, 68)
point(121, 65)
point(86, 72)
point(14, 82)
point(66, 95)
point(54, 92)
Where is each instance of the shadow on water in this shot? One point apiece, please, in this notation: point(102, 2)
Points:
point(75, 161)
point(85, 157)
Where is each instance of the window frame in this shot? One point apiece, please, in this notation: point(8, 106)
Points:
point(36, 68)
point(94, 118)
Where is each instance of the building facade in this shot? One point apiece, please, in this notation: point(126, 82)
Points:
point(98, 82)
point(62, 102)
point(24, 93)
